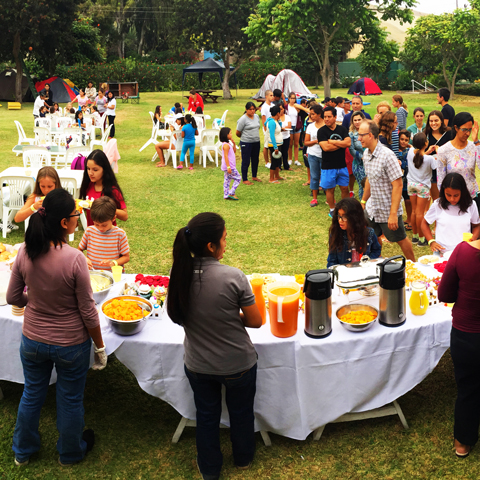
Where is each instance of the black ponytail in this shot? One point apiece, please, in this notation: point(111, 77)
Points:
point(45, 225)
point(191, 120)
point(418, 142)
point(191, 241)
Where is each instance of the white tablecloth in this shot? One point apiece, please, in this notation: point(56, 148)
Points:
point(302, 383)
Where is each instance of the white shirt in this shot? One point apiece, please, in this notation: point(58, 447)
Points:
point(315, 150)
point(39, 103)
point(451, 223)
point(293, 114)
point(423, 174)
point(265, 112)
point(285, 124)
point(111, 111)
point(340, 114)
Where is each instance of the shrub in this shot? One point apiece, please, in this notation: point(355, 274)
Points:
point(468, 89)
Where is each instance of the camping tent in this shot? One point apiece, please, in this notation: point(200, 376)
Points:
point(364, 86)
point(7, 86)
point(287, 81)
point(62, 93)
point(208, 65)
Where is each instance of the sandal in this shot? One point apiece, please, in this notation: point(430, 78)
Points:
point(306, 184)
point(179, 167)
point(233, 197)
point(463, 454)
point(246, 182)
point(273, 181)
point(160, 165)
point(256, 179)
point(408, 227)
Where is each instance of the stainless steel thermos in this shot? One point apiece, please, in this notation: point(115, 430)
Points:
point(318, 302)
point(393, 309)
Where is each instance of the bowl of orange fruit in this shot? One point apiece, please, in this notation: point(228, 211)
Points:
point(356, 317)
point(127, 314)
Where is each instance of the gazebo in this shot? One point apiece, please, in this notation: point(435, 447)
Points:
point(208, 65)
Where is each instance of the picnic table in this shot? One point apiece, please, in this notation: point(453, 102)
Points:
point(206, 94)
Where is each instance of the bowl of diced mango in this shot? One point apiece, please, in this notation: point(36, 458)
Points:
point(357, 317)
point(127, 314)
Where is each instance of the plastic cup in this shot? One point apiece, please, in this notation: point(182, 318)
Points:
point(117, 273)
point(467, 236)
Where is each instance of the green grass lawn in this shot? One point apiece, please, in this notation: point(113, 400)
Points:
point(271, 229)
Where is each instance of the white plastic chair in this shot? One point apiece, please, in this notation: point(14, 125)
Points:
point(75, 133)
point(22, 138)
point(42, 135)
point(36, 157)
point(65, 122)
point(43, 122)
point(18, 187)
point(220, 123)
point(103, 141)
point(153, 136)
point(209, 139)
point(71, 186)
point(172, 152)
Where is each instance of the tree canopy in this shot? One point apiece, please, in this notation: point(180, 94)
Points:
point(323, 24)
point(450, 40)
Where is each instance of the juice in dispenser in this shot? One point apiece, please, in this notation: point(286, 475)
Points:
point(283, 308)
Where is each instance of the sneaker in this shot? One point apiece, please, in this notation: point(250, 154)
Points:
point(268, 165)
point(205, 476)
point(89, 438)
point(422, 244)
point(8, 229)
point(21, 464)
point(415, 240)
point(298, 163)
point(12, 226)
point(289, 162)
point(352, 194)
point(314, 203)
point(330, 213)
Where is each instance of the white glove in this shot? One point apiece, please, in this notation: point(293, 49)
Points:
point(100, 358)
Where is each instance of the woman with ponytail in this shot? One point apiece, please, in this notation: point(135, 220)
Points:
point(58, 328)
point(206, 297)
point(419, 177)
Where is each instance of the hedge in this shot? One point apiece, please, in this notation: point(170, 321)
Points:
point(153, 77)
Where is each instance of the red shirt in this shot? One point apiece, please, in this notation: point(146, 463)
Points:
point(460, 285)
point(194, 104)
point(117, 196)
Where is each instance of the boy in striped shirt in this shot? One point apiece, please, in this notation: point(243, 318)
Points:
point(106, 244)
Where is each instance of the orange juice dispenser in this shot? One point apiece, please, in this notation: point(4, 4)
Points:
point(257, 288)
point(283, 308)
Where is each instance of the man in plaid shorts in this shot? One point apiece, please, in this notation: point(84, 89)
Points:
point(383, 189)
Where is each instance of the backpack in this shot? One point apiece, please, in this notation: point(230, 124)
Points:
point(78, 162)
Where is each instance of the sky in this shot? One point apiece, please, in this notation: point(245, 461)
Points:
point(439, 6)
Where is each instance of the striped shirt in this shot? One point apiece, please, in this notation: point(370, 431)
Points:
point(110, 245)
point(402, 115)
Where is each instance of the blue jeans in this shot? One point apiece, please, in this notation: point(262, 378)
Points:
point(188, 146)
point(240, 394)
point(72, 364)
point(315, 164)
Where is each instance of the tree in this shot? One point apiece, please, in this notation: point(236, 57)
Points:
point(449, 40)
point(377, 53)
point(323, 24)
point(35, 28)
point(216, 25)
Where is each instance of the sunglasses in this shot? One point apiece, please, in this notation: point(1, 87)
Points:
point(465, 130)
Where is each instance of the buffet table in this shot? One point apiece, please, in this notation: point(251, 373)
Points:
point(302, 383)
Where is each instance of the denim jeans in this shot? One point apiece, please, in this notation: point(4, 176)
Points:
point(315, 171)
point(240, 394)
point(72, 364)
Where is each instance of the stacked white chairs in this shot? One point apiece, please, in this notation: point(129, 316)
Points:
point(35, 158)
point(71, 186)
point(17, 187)
point(209, 141)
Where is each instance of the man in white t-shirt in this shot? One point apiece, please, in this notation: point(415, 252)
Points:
point(265, 112)
point(339, 104)
point(39, 103)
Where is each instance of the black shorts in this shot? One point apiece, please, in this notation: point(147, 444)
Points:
point(274, 162)
point(392, 235)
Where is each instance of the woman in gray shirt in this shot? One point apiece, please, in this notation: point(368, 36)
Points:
point(248, 130)
point(206, 297)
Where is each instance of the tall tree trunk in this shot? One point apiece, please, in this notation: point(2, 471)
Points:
point(142, 38)
point(226, 77)
point(19, 67)
point(326, 70)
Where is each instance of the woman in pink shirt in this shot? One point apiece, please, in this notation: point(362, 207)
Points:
point(59, 325)
point(82, 99)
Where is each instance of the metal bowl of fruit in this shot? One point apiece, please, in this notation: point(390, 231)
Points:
point(356, 317)
point(102, 282)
